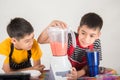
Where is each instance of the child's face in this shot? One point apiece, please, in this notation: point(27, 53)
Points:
point(87, 36)
point(24, 43)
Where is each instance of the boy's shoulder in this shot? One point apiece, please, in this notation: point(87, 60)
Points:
point(35, 41)
point(97, 42)
point(6, 41)
point(35, 44)
point(5, 46)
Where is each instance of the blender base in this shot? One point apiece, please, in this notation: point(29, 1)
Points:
point(59, 67)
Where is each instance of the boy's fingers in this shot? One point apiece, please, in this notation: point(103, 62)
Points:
point(73, 70)
point(69, 76)
point(58, 23)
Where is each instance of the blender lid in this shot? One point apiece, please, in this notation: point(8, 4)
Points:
point(56, 28)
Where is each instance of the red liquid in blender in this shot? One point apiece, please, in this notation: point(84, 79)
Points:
point(58, 49)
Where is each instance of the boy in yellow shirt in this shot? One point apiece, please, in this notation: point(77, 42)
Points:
point(20, 47)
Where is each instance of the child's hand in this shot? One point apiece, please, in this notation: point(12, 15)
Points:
point(104, 70)
point(72, 75)
point(110, 71)
point(58, 23)
point(39, 67)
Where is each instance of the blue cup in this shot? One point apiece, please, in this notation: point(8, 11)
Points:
point(93, 63)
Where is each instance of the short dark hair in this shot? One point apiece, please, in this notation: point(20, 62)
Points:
point(92, 20)
point(19, 27)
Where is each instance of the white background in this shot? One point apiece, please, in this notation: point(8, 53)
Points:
point(41, 12)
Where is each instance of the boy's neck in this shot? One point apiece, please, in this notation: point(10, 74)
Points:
point(16, 47)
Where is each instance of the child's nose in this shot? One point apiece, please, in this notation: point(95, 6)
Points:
point(31, 42)
point(87, 38)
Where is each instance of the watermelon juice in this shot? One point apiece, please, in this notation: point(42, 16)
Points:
point(58, 49)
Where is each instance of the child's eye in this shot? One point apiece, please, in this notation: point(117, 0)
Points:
point(91, 36)
point(27, 41)
point(82, 33)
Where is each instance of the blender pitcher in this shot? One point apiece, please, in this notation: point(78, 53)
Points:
point(59, 39)
point(60, 65)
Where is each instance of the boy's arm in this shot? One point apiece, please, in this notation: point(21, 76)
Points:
point(97, 46)
point(43, 37)
point(82, 72)
point(36, 66)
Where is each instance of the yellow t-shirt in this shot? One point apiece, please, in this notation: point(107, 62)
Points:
point(19, 55)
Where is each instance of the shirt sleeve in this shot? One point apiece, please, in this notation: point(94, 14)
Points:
point(36, 51)
point(5, 49)
point(97, 46)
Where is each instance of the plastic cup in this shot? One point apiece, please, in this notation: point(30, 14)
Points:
point(93, 63)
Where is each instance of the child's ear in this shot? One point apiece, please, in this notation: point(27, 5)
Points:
point(98, 35)
point(13, 40)
point(78, 29)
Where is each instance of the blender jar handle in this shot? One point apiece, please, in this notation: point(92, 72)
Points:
point(73, 37)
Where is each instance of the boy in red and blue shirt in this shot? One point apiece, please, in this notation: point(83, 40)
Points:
point(87, 37)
